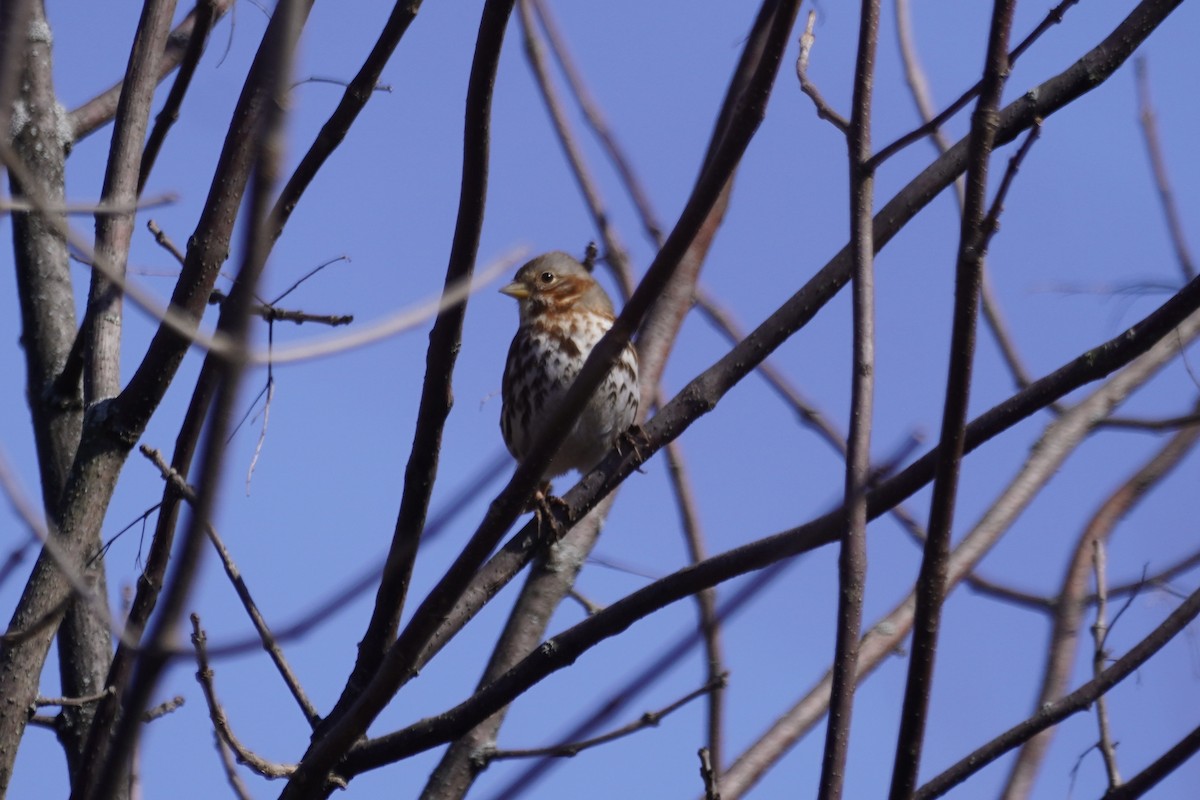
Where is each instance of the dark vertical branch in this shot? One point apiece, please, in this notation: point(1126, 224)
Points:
point(436, 395)
point(932, 581)
point(277, 52)
point(852, 557)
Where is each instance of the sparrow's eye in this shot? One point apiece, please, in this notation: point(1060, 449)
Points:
point(546, 277)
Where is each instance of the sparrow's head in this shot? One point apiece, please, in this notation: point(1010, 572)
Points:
point(555, 283)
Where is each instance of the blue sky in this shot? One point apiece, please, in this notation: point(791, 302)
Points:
point(1083, 215)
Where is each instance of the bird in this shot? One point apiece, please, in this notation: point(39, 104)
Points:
point(563, 314)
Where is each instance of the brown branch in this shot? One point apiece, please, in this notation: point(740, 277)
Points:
point(71, 701)
point(1079, 700)
point(852, 553)
point(1162, 175)
point(101, 363)
point(1166, 424)
point(165, 242)
point(230, 766)
point(932, 582)
point(269, 313)
point(706, 601)
point(34, 153)
point(163, 708)
point(204, 676)
point(708, 774)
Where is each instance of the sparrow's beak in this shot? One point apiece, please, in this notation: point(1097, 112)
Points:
point(514, 289)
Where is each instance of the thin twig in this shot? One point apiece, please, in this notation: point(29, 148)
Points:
point(1099, 661)
point(164, 241)
point(269, 643)
point(72, 701)
point(98, 208)
point(204, 676)
point(379, 87)
point(269, 313)
point(650, 719)
point(824, 110)
point(1162, 175)
point(230, 766)
point(1156, 425)
point(163, 708)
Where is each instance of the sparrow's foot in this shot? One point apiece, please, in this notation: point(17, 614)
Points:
point(633, 439)
point(543, 504)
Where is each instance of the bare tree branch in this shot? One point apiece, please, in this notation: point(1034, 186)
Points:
point(932, 583)
point(852, 552)
point(225, 735)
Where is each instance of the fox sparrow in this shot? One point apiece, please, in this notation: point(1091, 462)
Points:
point(564, 312)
